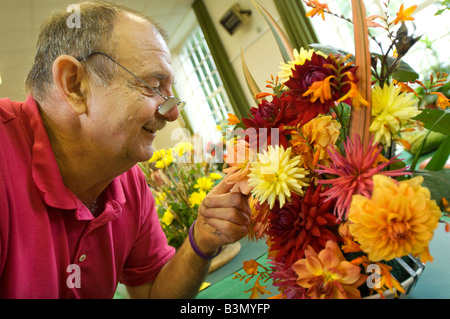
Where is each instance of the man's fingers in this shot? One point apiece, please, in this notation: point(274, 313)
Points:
point(223, 187)
point(233, 215)
point(236, 200)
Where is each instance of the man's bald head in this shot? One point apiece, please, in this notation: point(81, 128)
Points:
point(58, 37)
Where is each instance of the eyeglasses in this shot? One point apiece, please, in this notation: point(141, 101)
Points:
point(169, 101)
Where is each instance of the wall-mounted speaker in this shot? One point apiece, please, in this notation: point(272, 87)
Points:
point(234, 18)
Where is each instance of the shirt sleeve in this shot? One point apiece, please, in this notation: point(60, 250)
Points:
point(151, 250)
point(4, 221)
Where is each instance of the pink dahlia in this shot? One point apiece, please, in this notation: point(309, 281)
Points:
point(285, 278)
point(354, 171)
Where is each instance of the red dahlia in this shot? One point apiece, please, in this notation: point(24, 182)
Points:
point(301, 222)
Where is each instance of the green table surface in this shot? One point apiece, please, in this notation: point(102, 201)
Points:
point(434, 283)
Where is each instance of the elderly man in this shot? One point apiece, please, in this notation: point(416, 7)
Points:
point(72, 200)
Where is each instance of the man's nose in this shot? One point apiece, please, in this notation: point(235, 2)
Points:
point(172, 115)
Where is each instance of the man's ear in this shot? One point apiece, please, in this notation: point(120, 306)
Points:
point(70, 78)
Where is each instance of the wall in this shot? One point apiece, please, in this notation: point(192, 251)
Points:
point(260, 50)
point(254, 38)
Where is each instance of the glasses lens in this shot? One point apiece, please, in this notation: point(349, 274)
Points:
point(181, 105)
point(169, 104)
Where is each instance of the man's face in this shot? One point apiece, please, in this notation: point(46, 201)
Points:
point(124, 114)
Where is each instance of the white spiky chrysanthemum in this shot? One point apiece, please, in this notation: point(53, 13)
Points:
point(276, 174)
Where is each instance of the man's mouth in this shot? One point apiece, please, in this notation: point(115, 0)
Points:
point(149, 130)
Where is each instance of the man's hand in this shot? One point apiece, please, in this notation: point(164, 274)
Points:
point(223, 218)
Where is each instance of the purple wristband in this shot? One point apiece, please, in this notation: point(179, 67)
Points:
point(196, 249)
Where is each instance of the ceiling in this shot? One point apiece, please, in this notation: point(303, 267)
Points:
point(19, 29)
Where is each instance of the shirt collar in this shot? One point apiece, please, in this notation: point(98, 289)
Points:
point(46, 174)
point(44, 167)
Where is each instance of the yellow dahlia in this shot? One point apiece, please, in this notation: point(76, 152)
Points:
point(299, 58)
point(276, 174)
point(398, 220)
point(390, 111)
point(314, 138)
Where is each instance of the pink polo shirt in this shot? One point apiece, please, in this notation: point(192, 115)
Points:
point(51, 246)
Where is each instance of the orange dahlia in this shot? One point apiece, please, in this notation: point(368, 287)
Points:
point(399, 219)
point(327, 275)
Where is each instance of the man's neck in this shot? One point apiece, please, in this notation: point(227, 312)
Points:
point(85, 172)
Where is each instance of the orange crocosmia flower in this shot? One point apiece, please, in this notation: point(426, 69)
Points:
point(371, 23)
point(355, 96)
point(320, 90)
point(257, 290)
point(405, 88)
point(251, 267)
point(404, 15)
point(442, 101)
point(318, 8)
point(233, 119)
point(263, 95)
point(328, 275)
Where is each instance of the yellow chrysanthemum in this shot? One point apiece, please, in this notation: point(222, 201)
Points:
point(157, 155)
point(196, 198)
point(398, 220)
point(162, 158)
point(299, 59)
point(160, 198)
point(166, 160)
point(204, 183)
point(182, 148)
point(276, 174)
point(167, 218)
point(215, 176)
point(390, 111)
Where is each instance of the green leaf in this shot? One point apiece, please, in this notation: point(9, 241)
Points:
point(251, 83)
point(435, 120)
point(328, 49)
point(403, 72)
point(282, 40)
point(438, 182)
point(439, 158)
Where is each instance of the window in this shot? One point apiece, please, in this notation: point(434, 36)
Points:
point(209, 104)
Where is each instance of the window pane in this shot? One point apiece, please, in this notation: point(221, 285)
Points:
point(211, 104)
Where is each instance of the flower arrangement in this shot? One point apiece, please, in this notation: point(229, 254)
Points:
point(329, 192)
point(179, 183)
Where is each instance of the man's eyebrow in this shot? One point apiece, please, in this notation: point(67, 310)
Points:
point(155, 76)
